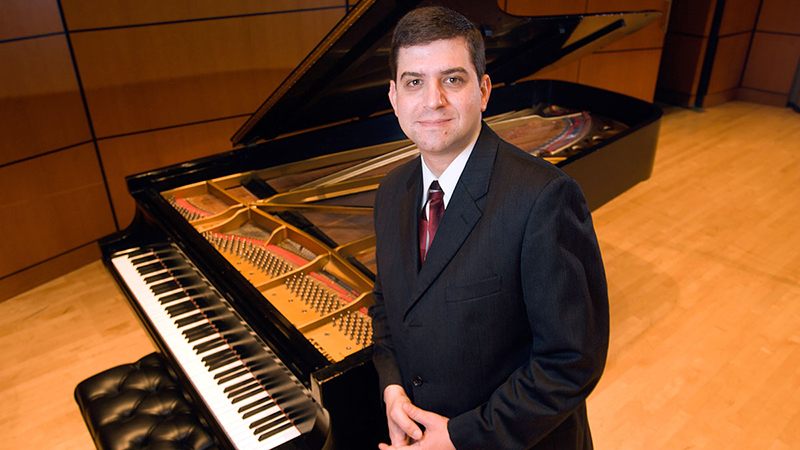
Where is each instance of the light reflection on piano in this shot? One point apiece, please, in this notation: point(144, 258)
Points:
point(256, 405)
point(254, 268)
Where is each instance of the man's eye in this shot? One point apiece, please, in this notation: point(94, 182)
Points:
point(453, 80)
point(415, 82)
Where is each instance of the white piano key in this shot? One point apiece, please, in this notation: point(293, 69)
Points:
point(217, 402)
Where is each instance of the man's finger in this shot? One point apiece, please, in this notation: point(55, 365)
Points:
point(419, 415)
point(406, 425)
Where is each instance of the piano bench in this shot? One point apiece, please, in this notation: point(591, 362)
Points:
point(138, 406)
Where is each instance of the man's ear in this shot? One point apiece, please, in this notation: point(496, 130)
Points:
point(486, 90)
point(393, 95)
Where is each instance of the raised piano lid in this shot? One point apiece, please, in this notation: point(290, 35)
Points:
point(351, 63)
point(346, 76)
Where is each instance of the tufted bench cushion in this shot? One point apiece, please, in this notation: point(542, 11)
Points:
point(140, 406)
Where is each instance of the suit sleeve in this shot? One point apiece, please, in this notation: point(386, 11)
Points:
point(565, 294)
point(382, 348)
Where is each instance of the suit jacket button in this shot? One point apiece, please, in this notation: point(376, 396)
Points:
point(417, 381)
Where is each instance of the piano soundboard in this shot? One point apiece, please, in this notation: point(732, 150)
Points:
point(253, 269)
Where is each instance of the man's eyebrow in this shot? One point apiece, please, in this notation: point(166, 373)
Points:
point(454, 70)
point(411, 74)
point(443, 72)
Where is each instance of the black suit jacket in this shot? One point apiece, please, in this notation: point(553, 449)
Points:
point(504, 329)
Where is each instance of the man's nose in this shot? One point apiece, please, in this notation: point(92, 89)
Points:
point(434, 96)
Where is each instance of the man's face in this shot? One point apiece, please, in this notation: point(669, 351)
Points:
point(438, 98)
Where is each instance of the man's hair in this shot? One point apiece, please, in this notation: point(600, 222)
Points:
point(432, 23)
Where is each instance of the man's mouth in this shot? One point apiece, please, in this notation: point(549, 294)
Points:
point(433, 122)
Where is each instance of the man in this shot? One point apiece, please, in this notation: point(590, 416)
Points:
point(490, 326)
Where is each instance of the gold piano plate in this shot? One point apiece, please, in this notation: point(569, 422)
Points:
point(313, 285)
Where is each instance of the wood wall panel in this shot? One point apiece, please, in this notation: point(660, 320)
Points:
point(780, 16)
point(717, 98)
point(24, 18)
point(763, 97)
point(157, 76)
point(45, 271)
point(50, 205)
point(566, 73)
point(729, 63)
point(545, 8)
point(738, 16)
point(40, 105)
point(651, 36)
point(632, 73)
point(692, 16)
point(128, 155)
point(772, 62)
point(87, 14)
point(681, 63)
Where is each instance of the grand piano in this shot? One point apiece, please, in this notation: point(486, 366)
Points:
point(252, 269)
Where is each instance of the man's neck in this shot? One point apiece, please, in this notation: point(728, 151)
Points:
point(437, 163)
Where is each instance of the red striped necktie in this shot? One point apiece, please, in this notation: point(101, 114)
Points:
point(428, 226)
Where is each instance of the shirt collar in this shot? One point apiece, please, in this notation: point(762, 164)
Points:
point(450, 176)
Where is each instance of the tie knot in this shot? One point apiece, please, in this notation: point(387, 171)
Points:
point(435, 191)
point(427, 227)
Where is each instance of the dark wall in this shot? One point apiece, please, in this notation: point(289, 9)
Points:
point(721, 50)
point(92, 91)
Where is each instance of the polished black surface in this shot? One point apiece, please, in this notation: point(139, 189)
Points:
point(346, 77)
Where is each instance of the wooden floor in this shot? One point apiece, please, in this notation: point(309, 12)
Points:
point(703, 262)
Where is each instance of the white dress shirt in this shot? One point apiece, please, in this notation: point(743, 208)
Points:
point(448, 179)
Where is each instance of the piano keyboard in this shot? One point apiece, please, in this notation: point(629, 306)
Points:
point(249, 392)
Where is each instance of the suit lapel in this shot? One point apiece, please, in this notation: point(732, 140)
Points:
point(462, 213)
point(408, 234)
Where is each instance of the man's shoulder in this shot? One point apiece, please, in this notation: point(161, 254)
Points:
point(401, 173)
point(397, 181)
point(510, 155)
point(511, 160)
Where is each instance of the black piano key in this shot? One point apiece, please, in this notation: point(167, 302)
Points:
point(138, 252)
point(150, 268)
point(222, 325)
point(172, 297)
point(247, 388)
point(157, 277)
point(189, 320)
point(275, 431)
point(222, 363)
point(163, 250)
point(186, 281)
point(266, 422)
point(214, 357)
point(269, 377)
point(219, 359)
point(180, 308)
point(259, 410)
point(227, 372)
point(246, 395)
point(272, 428)
point(172, 262)
point(143, 259)
point(164, 287)
point(254, 404)
point(239, 385)
point(233, 376)
point(202, 332)
point(208, 345)
point(174, 273)
point(198, 332)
